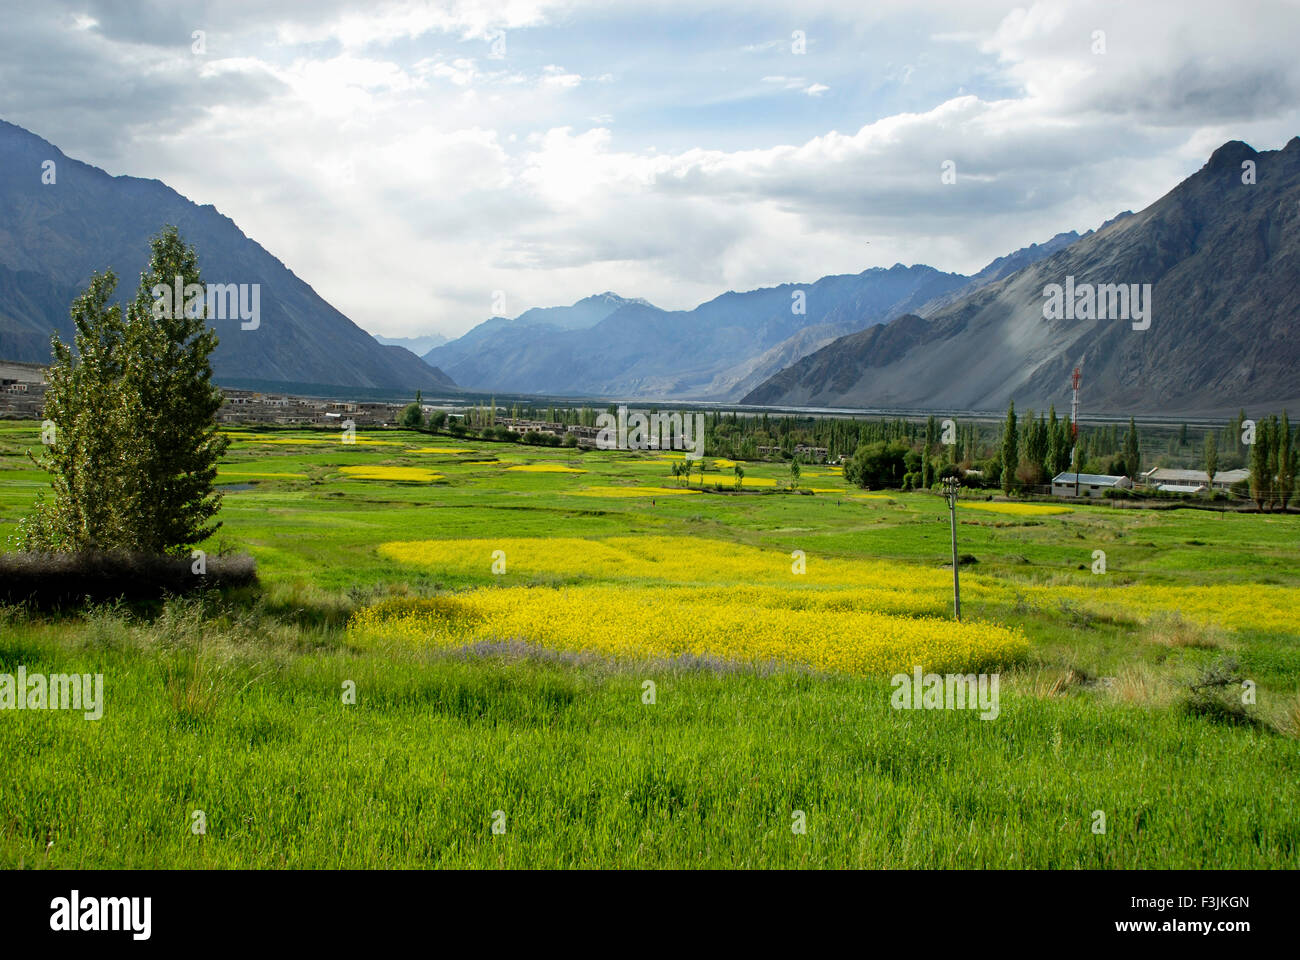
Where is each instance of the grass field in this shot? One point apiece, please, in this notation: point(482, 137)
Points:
point(612, 670)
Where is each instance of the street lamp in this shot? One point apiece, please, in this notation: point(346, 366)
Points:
point(951, 489)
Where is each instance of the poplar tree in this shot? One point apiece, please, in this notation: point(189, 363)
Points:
point(134, 410)
point(1132, 454)
point(1259, 475)
point(1010, 449)
point(1271, 463)
point(169, 387)
point(1288, 461)
point(86, 418)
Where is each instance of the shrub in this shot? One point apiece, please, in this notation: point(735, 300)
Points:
point(60, 579)
point(1212, 697)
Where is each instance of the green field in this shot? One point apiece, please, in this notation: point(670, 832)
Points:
point(234, 705)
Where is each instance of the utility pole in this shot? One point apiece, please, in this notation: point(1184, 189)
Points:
point(951, 487)
point(1074, 427)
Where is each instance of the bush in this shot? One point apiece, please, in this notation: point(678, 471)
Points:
point(1211, 696)
point(538, 439)
point(59, 579)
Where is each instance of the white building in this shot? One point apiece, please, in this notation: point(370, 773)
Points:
point(1087, 484)
point(1162, 477)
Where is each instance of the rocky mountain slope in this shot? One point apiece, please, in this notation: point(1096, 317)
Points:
point(54, 235)
point(1222, 258)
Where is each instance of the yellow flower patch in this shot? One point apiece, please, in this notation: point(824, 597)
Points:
point(636, 623)
point(633, 492)
point(1019, 509)
point(543, 468)
point(391, 474)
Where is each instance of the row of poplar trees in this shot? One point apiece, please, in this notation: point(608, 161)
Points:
point(1274, 463)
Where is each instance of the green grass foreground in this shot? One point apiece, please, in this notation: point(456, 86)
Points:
point(235, 706)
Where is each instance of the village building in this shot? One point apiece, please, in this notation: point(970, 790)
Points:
point(1087, 484)
point(1170, 480)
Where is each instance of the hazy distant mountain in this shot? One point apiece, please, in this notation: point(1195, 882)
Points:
point(1223, 261)
point(1003, 267)
point(611, 346)
point(584, 314)
point(417, 345)
point(53, 236)
point(477, 354)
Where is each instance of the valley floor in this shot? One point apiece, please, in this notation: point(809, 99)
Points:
point(477, 654)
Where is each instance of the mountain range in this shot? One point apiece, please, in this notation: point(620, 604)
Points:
point(417, 345)
point(1218, 254)
point(610, 346)
point(54, 235)
point(1221, 253)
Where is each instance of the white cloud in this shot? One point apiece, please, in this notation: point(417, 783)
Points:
point(553, 76)
point(397, 166)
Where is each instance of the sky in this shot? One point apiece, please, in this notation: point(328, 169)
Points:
point(424, 165)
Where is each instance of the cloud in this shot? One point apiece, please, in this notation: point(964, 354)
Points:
point(407, 167)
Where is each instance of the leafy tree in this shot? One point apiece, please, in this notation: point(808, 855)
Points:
point(1064, 447)
point(1036, 442)
point(1260, 479)
point(84, 402)
point(877, 464)
point(1053, 444)
point(1010, 449)
point(412, 417)
point(794, 473)
point(437, 420)
point(1272, 465)
point(1288, 461)
point(740, 476)
point(1132, 453)
point(144, 385)
point(1211, 457)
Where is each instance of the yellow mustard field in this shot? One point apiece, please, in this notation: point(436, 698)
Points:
point(706, 597)
point(683, 560)
point(391, 474)
point(1239, 607)
point(838, 584)
point(1018, 509)
point(639, 623)
point(619, 492)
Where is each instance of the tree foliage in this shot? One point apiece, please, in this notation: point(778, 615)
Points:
point(135, 440)
point(1010, 449)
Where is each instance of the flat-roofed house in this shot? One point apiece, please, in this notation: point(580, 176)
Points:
point(1162, 477)
point(1087, 484)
